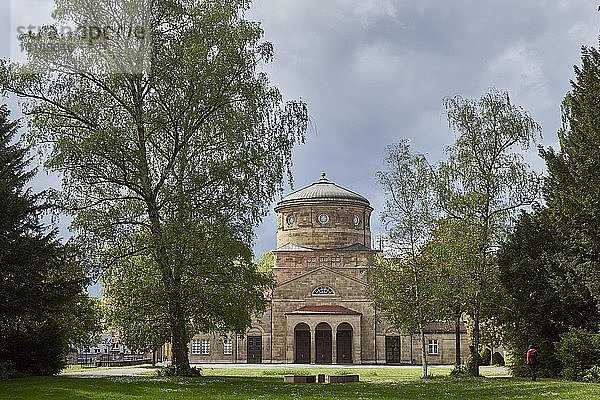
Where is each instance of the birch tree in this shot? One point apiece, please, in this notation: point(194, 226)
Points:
point(157, 117)
point(485, 180)
point(409, 216)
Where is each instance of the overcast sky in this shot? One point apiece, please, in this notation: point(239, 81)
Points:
point(376, 71)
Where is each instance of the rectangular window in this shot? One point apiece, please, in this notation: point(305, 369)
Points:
point(336, 261)
point(311, 261)
point(433, 346)
point(195, 346)
point(324, 261)
point(205, 347)
point(227, 347)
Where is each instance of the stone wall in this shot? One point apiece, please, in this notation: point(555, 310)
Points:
point(291, 264)
point(345, 226)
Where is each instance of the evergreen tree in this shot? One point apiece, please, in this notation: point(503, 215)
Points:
point(43, 305)
point(543, 292)
point(572, 188)
point(549, 265)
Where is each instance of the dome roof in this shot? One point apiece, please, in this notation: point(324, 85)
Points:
point(323, 189)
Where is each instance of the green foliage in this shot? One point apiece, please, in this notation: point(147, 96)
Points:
point(38, 350)
point(266, 262)
point(410, 208)
point(485, 356)
point(408, 215)
point(571, 188)
point(549, 265)
point(8, 371)
point(592, 375)
point(43, 304)
point(392, 282)
point(460, 371)
point(133, 303)
point(543, 292)
point(497, 359)
point(522, 371)
point(171, 151)
point(171, 370)
point(231, 290)
point(485, 180)
point(578, 350)
point(451, 253)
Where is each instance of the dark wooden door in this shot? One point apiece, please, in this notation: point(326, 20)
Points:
point(344, 347)
point(392, 349)
point(323, 345)
point(302, 347)
point(254, 349)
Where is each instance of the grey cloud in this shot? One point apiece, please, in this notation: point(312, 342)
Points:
point(373, 72)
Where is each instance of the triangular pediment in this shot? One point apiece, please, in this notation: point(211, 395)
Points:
point(302, 286)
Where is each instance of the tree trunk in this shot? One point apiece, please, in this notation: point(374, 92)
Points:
point(423, 354)
point(475, 355)
point(179, 338)
point(457, 361)
point(170, 280)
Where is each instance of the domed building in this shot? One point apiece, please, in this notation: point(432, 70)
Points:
point(319, 311)
point(319, 306)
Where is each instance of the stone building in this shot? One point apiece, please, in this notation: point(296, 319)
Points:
point(320, 312)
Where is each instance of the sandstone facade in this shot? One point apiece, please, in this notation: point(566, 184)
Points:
point(320, 311)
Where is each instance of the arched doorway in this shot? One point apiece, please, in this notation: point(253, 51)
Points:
point(323, 343)
point(302, 340)
point(344, 343)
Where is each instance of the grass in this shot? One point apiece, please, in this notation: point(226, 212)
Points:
point(381, 375)
point(240, 383)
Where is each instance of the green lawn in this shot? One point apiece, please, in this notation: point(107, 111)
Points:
point(380, 383)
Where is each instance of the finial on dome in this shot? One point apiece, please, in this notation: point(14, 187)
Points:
point(323, 175)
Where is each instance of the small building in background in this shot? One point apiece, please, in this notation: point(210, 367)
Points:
point(107, 348)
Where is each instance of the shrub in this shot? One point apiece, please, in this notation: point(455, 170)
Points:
point(592, 375)
point(169, 370)
point(485, 356)
point(460, 371)
point(34, 350)
point(548, 365)
point(579, 351)
point(497, 359)
point(8, 371)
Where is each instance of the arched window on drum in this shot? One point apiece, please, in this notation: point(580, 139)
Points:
point(323, 291)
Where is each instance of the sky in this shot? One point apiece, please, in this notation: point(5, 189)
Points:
point(374, 72)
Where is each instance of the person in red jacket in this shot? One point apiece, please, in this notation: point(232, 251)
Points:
point(532, 361)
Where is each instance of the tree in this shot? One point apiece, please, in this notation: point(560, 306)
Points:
point(174, 139)
point(485, 180)
point(266, 262)
point(231, 289)
point(451, 252)
point(549, 265)
point(543, 291)
point(43, 303)
point(133, 303)
point(571, 188)
point(408, 216)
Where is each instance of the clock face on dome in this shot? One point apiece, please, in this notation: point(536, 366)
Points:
point(290, 220)
point(323, 219)
point(355, 220)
